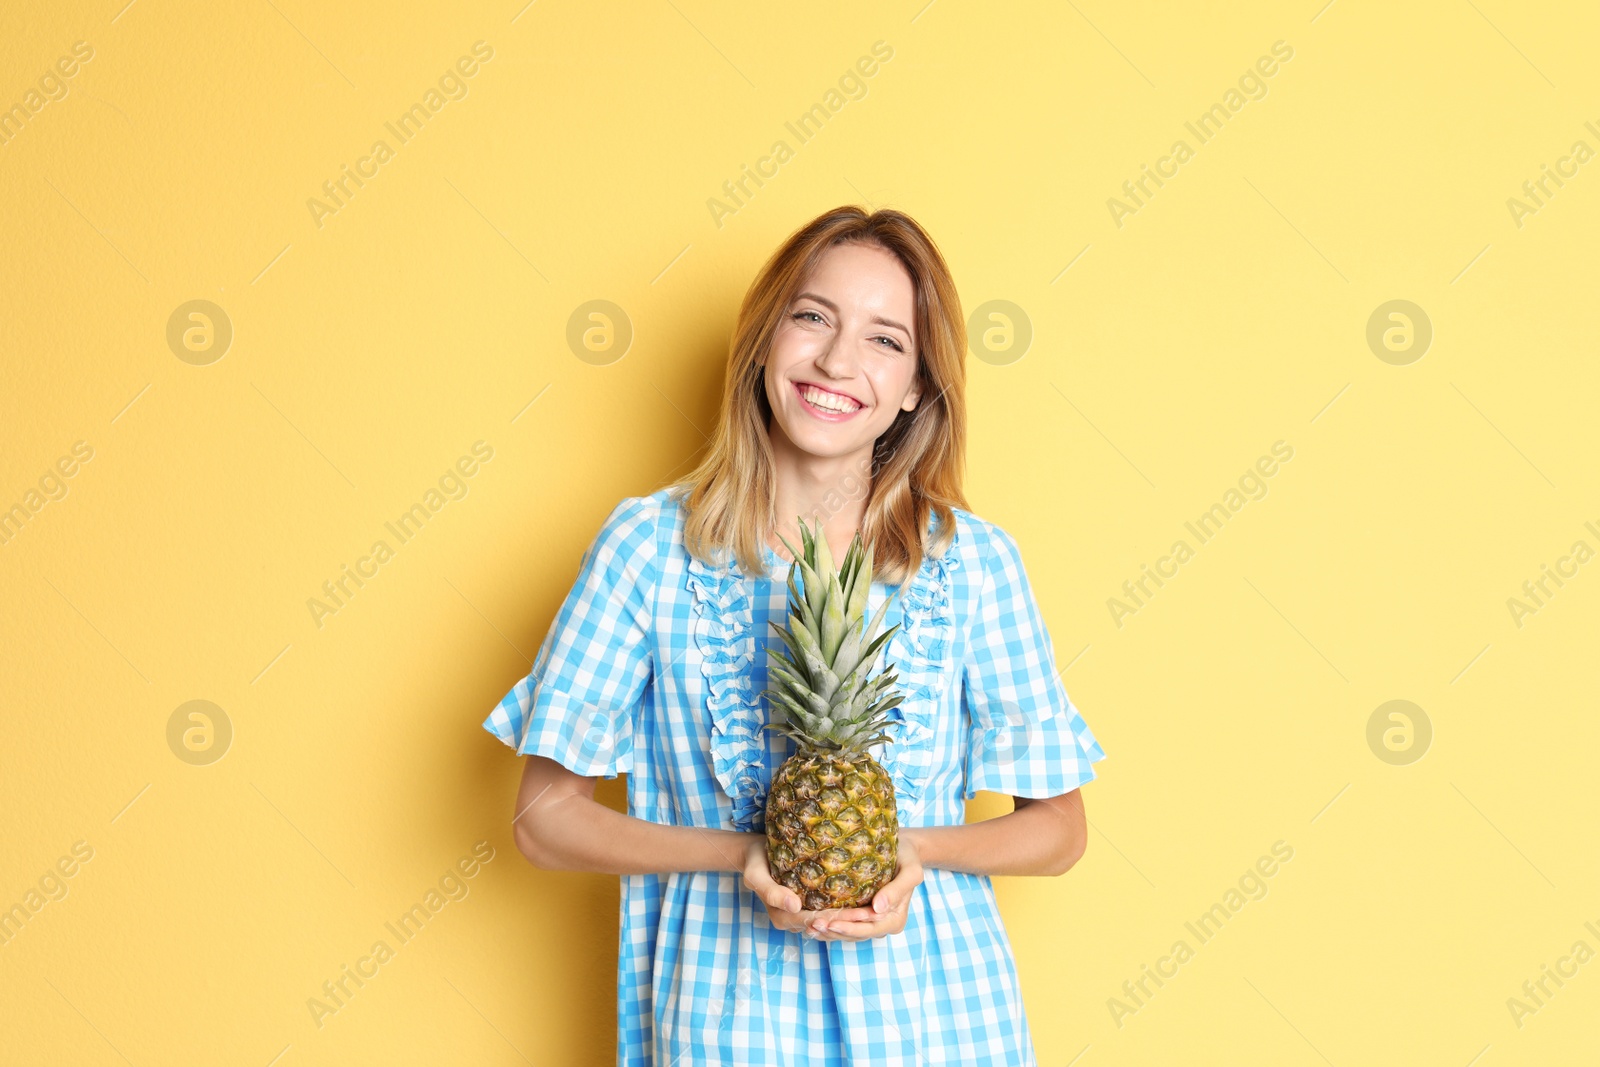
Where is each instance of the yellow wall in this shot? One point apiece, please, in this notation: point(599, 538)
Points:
point(1172, 346)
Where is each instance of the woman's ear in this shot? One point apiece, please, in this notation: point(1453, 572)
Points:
point(910, 402)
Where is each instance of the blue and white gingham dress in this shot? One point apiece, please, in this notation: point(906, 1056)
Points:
point(653, 667)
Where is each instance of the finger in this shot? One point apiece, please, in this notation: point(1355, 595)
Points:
point(830, 915)
point(833, 920)
point(887, 899)
point(889, 902)
point(773, 894)
point(860, 931)
point(890, 922)
point(896, 892)
point(821, 922)
point(781, 899)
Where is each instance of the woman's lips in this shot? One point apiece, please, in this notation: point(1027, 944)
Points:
point(823, 413)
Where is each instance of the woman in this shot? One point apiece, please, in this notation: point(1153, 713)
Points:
point(844, 401)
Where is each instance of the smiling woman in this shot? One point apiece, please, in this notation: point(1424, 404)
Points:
point(845, 369)
point(848, 356)
point(846, 360)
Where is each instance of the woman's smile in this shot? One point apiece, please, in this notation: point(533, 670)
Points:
point(827, 405)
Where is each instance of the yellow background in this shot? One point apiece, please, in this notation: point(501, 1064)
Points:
point(368, 354)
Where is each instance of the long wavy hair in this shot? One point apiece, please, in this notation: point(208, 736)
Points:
point(917, 464)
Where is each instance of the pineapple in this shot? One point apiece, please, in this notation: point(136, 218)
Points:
point(832, 829)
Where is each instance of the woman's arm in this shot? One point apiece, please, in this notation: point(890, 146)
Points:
point(1044, 836)
point(559, 826)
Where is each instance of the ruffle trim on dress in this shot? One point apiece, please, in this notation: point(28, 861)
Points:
point(921, 649)
point(725, 635)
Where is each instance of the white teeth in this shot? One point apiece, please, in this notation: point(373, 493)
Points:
point(828, 401)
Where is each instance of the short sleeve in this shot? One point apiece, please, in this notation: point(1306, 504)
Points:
point(578, 704)
point(1025, 737)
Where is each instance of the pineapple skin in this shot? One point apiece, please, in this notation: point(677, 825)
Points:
point(832, 829)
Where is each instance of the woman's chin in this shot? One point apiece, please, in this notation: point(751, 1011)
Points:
point(831, 450)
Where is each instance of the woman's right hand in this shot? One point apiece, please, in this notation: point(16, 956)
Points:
point(784, 904)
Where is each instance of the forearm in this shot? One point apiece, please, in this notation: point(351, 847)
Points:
point(1041, 837)
point(577, 833)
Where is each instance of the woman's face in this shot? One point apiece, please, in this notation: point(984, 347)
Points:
point(843, 363)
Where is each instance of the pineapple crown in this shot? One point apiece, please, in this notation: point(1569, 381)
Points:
point(827, 697)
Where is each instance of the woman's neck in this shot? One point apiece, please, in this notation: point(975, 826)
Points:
point(831, 488)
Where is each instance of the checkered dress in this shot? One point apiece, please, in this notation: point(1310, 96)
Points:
point(653, 667)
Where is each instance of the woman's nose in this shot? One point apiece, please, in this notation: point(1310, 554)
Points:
point(839, 360)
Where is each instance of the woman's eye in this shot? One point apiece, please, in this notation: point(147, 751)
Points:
point(802, 316)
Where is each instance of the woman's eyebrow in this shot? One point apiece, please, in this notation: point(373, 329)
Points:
point(831, 306)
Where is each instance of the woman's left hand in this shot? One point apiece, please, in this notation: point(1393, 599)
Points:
point(892, 903)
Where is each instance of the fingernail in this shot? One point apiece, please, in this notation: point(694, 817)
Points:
point(820, 925)
point(879, 904)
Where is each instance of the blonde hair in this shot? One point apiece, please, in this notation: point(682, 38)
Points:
point(917, 463)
